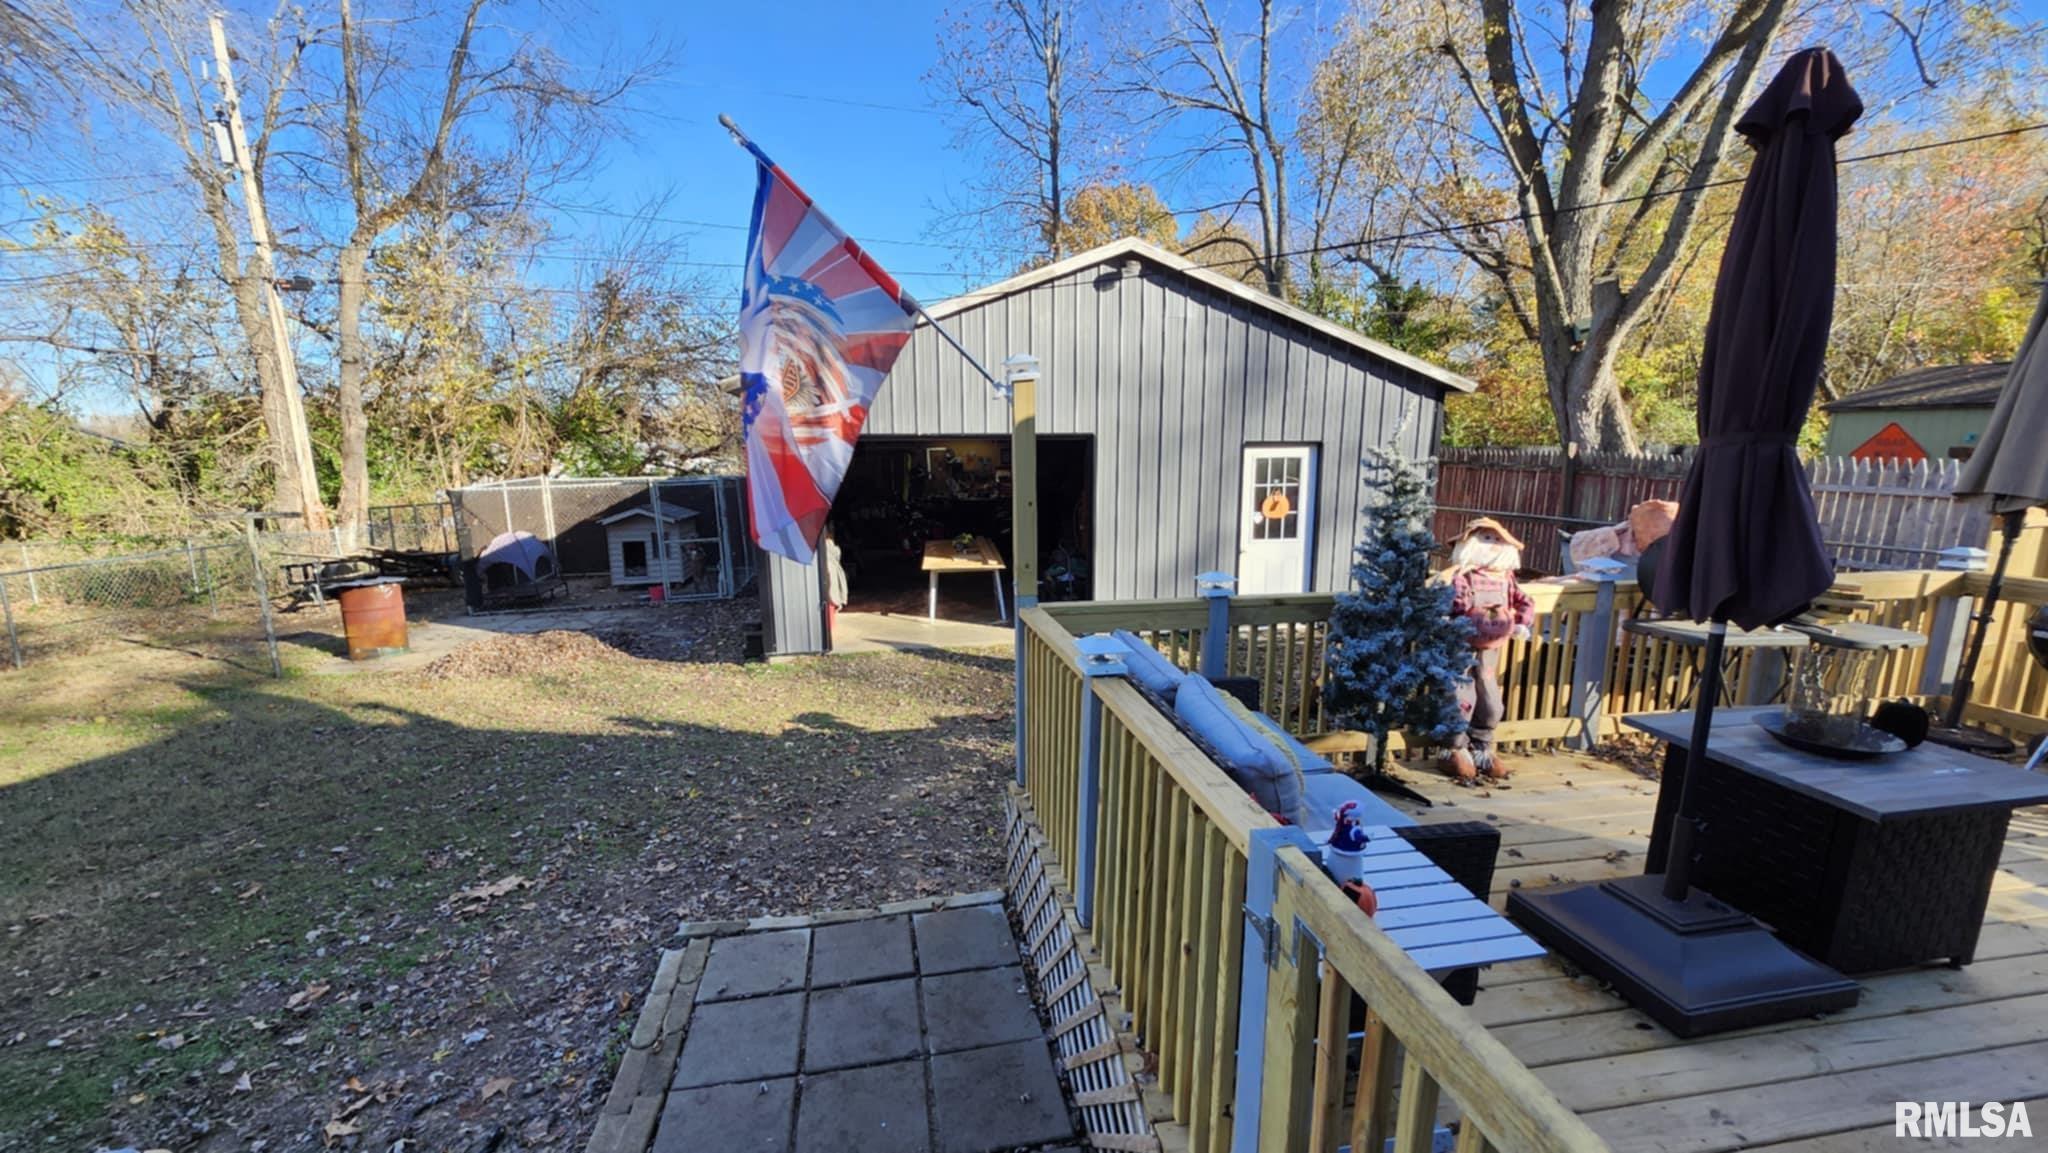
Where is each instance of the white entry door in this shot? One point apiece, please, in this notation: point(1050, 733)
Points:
point(1277, 519)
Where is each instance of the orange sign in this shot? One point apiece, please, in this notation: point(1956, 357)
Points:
point(1890, 443)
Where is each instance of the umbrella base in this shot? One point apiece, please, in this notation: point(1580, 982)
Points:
point(1971, 739)
point(1695, 966)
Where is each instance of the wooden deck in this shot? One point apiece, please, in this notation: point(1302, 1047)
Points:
point(1815, 1086)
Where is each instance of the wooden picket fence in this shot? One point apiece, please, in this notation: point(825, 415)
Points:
point(1874, 515)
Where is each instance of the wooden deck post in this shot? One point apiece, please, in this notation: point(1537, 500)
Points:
point(1022, 373)
point(1102, 656)
point(1589, 662)
point(1215, 587)
point(1287, 1073)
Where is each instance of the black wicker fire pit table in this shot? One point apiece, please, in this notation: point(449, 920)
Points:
point(1862, 865)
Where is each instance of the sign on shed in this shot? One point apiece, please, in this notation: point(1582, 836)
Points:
point(1890, 443)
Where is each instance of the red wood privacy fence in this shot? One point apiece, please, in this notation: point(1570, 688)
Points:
point(1875, 515)
point(1542, 494)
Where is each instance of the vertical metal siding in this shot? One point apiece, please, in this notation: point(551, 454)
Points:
point(1171, 380)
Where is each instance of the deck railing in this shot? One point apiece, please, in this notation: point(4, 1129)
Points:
point(1551, 689)
point(1166, 859)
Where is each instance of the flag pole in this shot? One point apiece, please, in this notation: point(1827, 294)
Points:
point(903, 298)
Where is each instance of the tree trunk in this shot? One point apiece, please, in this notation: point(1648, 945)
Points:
point(353, 276)
point(1585, 396)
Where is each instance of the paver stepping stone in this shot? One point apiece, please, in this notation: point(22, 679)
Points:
point(997, 1098)
point(954, 939)
point(744, 1117)
point(872, 1109)
point(862, 1025)
point(741, 1040)
point(981, 1007)
point(756, 963)
point(861, 951)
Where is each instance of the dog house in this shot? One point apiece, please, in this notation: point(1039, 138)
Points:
point(649, 547)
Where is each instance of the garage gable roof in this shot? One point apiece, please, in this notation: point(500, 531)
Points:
point(1208, 277)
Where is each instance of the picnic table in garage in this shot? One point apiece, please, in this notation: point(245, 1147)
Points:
point(947, 556)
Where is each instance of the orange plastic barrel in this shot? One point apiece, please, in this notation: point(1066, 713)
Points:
point(373, 620)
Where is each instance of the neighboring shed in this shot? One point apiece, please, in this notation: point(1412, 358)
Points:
point(1177, 409)
point(1929, 412)
point(636, 537)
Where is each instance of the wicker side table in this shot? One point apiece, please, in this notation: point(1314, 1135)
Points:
point(1855, 894)
point(1864, 868)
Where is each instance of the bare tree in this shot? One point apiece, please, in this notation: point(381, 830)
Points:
point(35, 53)
point(1019, 75)
point(394, 169)
point(1194, 63)
point(1570, 155)
point(1577, 192)
point(147, 64)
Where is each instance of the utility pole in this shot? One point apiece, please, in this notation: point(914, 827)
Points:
point(299, 451)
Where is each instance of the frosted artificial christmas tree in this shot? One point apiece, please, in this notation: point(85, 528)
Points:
point(1396, 651)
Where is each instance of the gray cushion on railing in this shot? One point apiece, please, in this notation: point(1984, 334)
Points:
point(1251, 760)
point(1148, 666)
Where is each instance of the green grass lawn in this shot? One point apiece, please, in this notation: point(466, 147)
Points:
point(185, 848)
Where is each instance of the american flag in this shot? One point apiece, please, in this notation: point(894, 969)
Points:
point(820, 325)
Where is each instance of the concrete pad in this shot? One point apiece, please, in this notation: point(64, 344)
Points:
point(741, 1040)
point(755, 963)
point(872, 1109)
point(998, 1098)
point(868, 950)
point(977, 1008)
point(954, 939)
point(862, 1025)
point(744, 1117)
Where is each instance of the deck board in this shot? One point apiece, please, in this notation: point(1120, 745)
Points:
point(1816, 1085)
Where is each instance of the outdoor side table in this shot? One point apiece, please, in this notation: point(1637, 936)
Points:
point(943, 556)
point(1693, 636)
point(1862, 865)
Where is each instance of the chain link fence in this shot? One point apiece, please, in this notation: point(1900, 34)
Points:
point(211, 597)
point(685, 536)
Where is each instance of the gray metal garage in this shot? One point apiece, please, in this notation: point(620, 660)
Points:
point(1218, 428)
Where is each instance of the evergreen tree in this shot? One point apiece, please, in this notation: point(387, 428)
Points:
point(1396, 654)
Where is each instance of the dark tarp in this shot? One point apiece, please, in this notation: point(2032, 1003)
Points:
point(1747, 547)
point(521, 550)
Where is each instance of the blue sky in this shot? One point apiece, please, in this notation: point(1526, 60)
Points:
point(832, 91)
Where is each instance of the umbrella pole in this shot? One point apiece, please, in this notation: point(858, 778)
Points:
point(1967, 679)
point(1684, 825)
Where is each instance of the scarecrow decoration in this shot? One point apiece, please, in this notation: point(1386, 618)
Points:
point(1485, 593)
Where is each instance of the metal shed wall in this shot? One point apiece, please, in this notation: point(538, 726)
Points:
point(1172, 379)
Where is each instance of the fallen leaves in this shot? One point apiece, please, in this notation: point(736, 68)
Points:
point(495, 1087)
point(303, 1000)
point(477, 898)
point(336, 1130)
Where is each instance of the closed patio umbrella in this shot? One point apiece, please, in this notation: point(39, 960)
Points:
point(1746, 548)
point(2010, 470)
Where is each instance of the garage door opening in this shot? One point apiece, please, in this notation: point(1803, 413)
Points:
point(903, 498)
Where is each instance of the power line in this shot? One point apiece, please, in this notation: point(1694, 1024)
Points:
point(1353, 245)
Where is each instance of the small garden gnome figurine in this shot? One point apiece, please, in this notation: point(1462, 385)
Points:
point(1485, 592)
point(1344, 856)
point(1349, 834)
